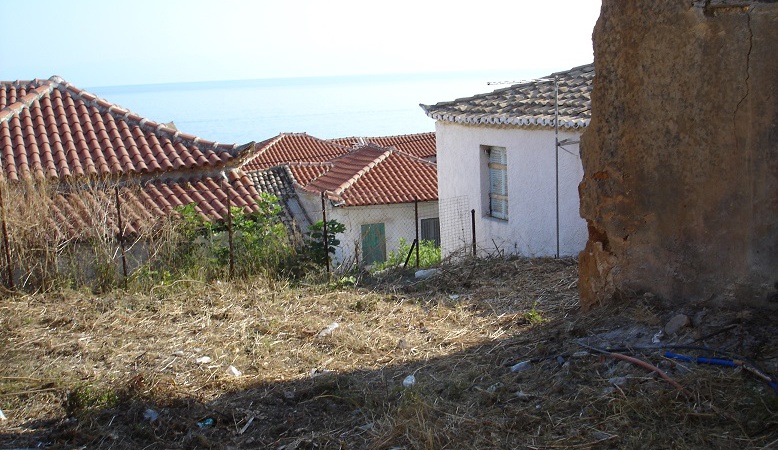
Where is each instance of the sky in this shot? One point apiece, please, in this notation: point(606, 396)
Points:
point(121, 42)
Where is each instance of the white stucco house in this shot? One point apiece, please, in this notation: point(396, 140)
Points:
point(378, 194)
point(498, 151)
point(376, 186)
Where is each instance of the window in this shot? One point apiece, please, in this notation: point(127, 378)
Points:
point(498, 182)
point(430, 230)
point(373, 243)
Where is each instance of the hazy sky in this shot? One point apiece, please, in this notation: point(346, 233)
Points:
point(118, 42)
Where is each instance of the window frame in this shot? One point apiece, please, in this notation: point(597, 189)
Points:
point(430, 224)
point(497, 172)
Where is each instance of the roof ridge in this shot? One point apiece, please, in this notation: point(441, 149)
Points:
point(326, 141)
point(26, 101)
point(367, 168)
point(267, 144)
point(144, 123)
point(412, 157)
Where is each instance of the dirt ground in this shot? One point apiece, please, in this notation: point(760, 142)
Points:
point(484, 354)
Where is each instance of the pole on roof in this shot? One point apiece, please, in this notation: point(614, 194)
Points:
point(556, 155)
point(121, 234)
point(6, 245)
point(325, 237)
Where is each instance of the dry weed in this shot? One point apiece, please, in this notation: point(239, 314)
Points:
point(85, 370)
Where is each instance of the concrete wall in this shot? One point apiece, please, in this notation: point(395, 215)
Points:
point(681, 156)
point(531, 226)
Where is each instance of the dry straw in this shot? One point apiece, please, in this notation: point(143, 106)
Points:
point(106, 360)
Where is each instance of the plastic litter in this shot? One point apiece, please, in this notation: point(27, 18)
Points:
point(425, 273)
point(203, 360)
point(409, 381)
point(2, 416)
point(206, 423)
point(150, 415)
point(328, 331)
point(246, 427)
point(234, 371)
point(524, 365)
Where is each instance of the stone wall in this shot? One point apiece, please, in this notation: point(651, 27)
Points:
point(680, 187)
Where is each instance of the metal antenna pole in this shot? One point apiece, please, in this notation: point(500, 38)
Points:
point(556, 155)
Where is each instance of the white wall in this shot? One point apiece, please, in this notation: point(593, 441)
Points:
point(531, 226)
point(398, 222)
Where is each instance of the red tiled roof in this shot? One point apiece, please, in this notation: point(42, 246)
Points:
point(304, 173)
point(51, 129)
point(372, 175)
point(80, 146)
point(293, 147)
point(421, 145)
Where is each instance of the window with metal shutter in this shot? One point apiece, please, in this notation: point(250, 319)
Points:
point(498, 182)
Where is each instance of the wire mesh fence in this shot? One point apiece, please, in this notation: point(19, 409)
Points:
point(102, 233)
point(409, 234)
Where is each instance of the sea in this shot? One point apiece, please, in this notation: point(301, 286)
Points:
point(241, 111)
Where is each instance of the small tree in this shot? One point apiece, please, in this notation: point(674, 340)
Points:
point(315, 243)
point(260, 241)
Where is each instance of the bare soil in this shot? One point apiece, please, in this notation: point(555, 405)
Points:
point(249, 365)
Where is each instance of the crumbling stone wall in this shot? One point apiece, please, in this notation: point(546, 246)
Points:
point(680, 187)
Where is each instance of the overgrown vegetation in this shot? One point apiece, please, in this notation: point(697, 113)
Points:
point(260, 243)
point(147, 370)
point(50, 250)
point(429, 255)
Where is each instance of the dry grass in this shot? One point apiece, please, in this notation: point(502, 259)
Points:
point(83, 370)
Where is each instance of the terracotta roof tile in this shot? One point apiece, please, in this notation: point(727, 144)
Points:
point(525, 104)
point(421, 145)
point(304, 173)
point(373, 175)
point(51, 128)
point(293, 147)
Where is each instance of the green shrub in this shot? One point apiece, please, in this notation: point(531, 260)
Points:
point(200, 249)
point(429, 255)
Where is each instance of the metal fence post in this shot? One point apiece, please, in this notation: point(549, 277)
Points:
point(418, 242)
point(325, 237)
point(472, 224)
point(121, 234)
point(229, 231)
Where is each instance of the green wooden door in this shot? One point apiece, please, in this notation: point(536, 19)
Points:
point(373, 243)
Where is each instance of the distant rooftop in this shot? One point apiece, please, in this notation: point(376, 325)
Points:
point(527, 104)
point(370, 175)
